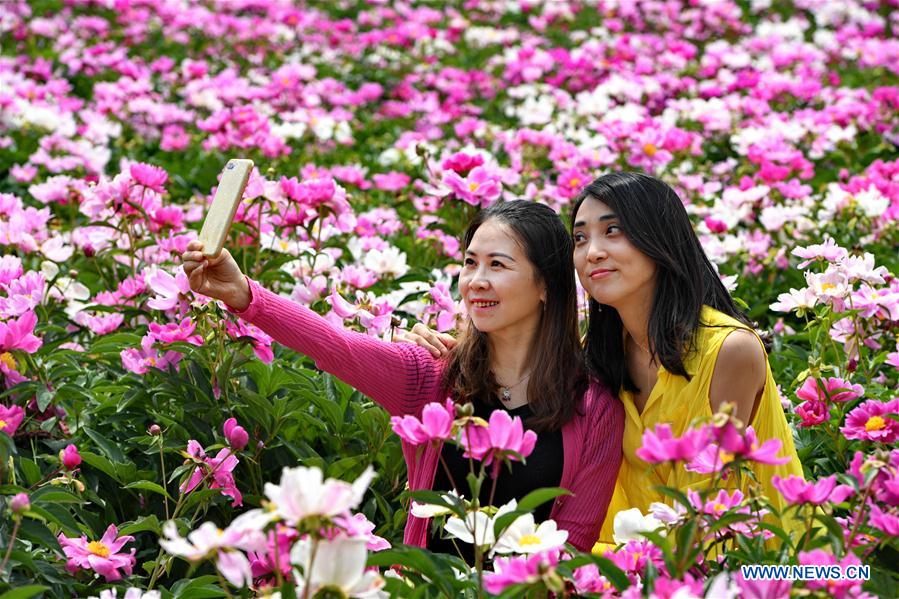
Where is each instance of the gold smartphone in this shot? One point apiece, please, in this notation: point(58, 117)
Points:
point(218, 219)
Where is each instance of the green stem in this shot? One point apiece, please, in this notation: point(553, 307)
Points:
point(12, 540)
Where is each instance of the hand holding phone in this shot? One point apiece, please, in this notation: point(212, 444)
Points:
point(234, 180)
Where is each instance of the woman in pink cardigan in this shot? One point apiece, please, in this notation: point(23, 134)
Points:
point(520, 352)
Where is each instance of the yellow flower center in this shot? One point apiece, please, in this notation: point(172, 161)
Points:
point(7, 359)
point(98, 548)
point(3, 424)
point(472, 186)
point(719, 507)
point(529, 540)
point(650, 149)
point(875, 423)
point(828, 286)
point(726, 457)
point(574, 182)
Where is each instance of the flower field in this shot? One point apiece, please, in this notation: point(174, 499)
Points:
point(152, 444)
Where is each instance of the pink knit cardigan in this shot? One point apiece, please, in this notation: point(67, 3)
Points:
point(403, 378)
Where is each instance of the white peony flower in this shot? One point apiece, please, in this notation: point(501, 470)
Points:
point(628, 525)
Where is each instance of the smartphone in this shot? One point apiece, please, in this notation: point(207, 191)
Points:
point(218, 219)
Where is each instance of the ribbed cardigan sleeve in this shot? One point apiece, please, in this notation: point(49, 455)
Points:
point(602, 429)
point(400, 377)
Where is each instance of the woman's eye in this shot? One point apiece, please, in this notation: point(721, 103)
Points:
point(496, 263)
point(469, 262)
point(613, 229)
point(578, 237)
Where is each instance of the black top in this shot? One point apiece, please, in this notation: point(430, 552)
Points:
point(543, 469)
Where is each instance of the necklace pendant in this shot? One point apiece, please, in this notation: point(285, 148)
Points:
point(506, 393)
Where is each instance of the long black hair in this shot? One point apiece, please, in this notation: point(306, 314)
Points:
point(653, 218)
point(558, 374)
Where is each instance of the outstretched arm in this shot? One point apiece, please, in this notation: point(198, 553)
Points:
point(402, 378)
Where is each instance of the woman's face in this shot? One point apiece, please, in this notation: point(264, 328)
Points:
point(611, 269)
point(498, 283)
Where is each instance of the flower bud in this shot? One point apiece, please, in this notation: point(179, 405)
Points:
point(19, 503)
point(154, 430)
point(70, 457)
point(237, 436)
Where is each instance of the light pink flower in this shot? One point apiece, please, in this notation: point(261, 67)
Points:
point(170, 290)
point(303, 492)
point(508, 571)
point(829, 251)
point(732, 445)
point(392, 181)
point(660, 445)
point(503, 437)
point(831, 388)
point(871, 421)
point(796, 490)
point(10, 419)
point(436, 424)
point(151, 177)
point(479, 188)
point(101, 556)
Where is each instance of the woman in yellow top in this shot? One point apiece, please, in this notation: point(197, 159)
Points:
point(666, 333)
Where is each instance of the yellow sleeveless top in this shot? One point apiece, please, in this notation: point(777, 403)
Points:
point(678, 402)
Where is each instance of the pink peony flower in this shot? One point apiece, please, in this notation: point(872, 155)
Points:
point(872, 421)
point(587, 579)
point(508, 571)
point(70, 457)
point(813, 413)
point(796, 490)
point(261, 342)
point(436, 424)
point(829, 251)
point(503, 437)
point(19, 503)
point(237, 436)
point(733, 444)
point(718, 505)
point(216, 471)
point(479, 188)
point(462, 163)
point(838, 589)
point(18, 334)
point(832, 388)
point(170, 290)
point(173, 333)
point(10, 419)
point(151, 177)
point(392, 181)
point(661, 446)
point(100, 556)
point(885, 521)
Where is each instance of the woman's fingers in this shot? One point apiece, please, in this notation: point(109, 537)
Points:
point(448, 340)
point(440, 341)
point(403, 336)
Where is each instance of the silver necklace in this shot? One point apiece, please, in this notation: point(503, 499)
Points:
point(506, 392)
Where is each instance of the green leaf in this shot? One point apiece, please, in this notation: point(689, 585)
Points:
point(30, 471)
point(31, 590)
point(55, 495)
point(44, 397)
point(100, 463)
point(146, 523)
point(109, 448)
point(147, 485)
point(536, 498)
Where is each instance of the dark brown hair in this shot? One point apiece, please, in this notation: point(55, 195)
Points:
point(555, 357)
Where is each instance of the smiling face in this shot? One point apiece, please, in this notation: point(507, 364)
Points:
point(498, 283)
point(611, 269)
